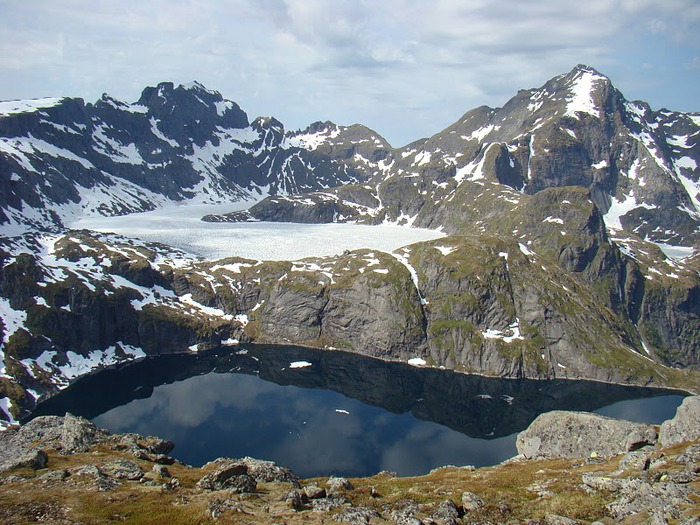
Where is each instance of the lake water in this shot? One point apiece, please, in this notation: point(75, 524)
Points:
point(328, 412)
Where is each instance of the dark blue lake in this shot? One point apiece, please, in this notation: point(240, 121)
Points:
point(322, 413)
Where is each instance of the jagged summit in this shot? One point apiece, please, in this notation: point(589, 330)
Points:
point(640, 165)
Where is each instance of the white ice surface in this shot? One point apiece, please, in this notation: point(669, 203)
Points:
point(676, 252)
point(181, 227)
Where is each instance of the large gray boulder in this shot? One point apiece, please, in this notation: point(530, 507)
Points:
point(580, 434)
point(685, 425)
point(78, 434)
point(24, 446)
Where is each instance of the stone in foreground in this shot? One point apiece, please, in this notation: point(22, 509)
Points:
point(580, 434)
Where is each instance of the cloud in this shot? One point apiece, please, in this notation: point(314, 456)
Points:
point(405, 67)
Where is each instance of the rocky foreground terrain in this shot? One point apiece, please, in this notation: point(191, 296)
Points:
point(573, 468)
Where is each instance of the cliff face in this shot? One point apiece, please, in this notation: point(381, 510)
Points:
point(83, 300)
point(557, 207)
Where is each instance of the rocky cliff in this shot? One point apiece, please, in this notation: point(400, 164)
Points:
point(571, 212)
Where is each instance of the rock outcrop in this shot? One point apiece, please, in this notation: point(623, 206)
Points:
point(582, 435)
point(685, 425)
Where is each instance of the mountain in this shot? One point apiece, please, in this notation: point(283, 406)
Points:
point(572, 217)
point(62, 158)
point(640, 166)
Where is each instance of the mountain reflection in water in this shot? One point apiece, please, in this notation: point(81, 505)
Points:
point(343, 414)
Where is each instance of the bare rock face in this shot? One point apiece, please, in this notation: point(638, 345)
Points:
point(685, 426)
point(230, 475)
point(78, 434)
point(22, 447)
point(580, 434)
point(268, 471)
point(123, 469)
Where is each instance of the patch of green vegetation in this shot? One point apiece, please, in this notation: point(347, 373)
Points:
point(19, 344)
point(11, 389)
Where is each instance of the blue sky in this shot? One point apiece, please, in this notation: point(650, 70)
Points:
point(406, 68)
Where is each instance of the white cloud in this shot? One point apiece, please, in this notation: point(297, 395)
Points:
point(405, 67)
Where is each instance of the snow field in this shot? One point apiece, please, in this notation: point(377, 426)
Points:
point(181, 227)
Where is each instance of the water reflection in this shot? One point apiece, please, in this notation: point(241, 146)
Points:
point(345, 414)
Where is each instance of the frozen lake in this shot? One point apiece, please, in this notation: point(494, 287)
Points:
point(181, 227)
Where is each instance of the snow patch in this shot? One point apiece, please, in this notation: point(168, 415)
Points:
point(554, 220)
point(402, 257)
point(618, 208)
point(299, 364)
point(512, 333)
point(581, 95)
point(11, 318)
point(445, 250)
point(13, 107)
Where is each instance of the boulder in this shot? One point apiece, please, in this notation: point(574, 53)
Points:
point(78, 434)
point(338, 485)
point(162, 471)
point(123, 469)
point(556, 519)
point(294, 499)
point(269, 472)
point(356, 515)
point(685, 425)
point(229, 475)
point(31, 459)
point(635, 460)
point(471, 502)
point(148, 444)
point(446, 513)
point(313, 491)
point(580, 434)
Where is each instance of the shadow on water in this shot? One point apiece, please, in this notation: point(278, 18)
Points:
point(344, 413)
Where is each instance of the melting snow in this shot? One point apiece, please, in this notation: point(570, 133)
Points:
point(417, 361)
point(555, 220)
point(513, 332)
point(158, 133)
point(525, 249)
point(422, 158)
point(445, 250)
point(581, 100)
point(480, 133)
point(299, 364)
point(12, 107)
point(619, 208)
point(310, 141)
point(402, 257)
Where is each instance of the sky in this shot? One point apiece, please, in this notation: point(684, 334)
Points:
point(405, 68)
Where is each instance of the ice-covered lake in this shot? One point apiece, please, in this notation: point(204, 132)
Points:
point(182, 227)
